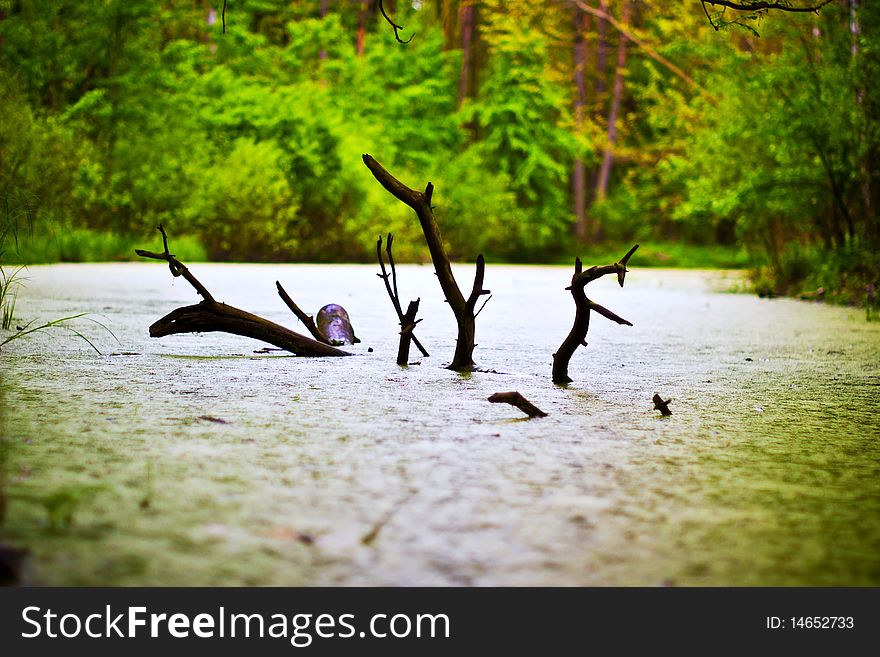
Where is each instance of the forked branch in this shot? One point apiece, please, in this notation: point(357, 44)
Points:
point(578, 335)
point(394, 25)
point(406, 325)
point(464, 309)
point(177, 268)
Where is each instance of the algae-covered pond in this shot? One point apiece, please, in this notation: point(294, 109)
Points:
point(192, 460)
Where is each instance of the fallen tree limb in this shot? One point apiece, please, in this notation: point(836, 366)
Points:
point(209, 315)
point(206, 317)
point(578, 334)
point(516, 399)
point(463, 309)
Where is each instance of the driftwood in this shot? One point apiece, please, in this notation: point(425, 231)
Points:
point(408, 319)
point(210, 315)
point(464, 308)
point(583, 306)
point(661, 405)
point(516, 399)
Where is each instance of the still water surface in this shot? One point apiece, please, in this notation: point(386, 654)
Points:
point(354, 471)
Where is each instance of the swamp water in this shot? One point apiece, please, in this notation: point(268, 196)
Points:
point(192, 460)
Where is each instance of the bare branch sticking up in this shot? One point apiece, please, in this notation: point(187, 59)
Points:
point(391, 288)
point(578, 335)
point(177, 268)
point(478, 290)
point(420, 202)
point(307, 320)
point(516, 399)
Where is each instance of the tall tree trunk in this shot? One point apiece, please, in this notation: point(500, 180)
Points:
point(854, 26)
point(579, 187)
point(368, 7)
point(600, 76)
point(466, 19)
point(616, 97)
point(868, 146)
point(449, 12)
point(601, 53)
point(324, 6)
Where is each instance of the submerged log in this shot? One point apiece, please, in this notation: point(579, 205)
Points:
point(206, 317)
point(210, 315)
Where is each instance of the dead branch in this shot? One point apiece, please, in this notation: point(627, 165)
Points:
point(209, 315)
point(516, 399)
point(463, 309)
point(407, 324)
point(583, 306)
point(394, 25)
point(391, 288)
point(307, 320)
point(749, 5)
point(661, 405)
point(177, 268)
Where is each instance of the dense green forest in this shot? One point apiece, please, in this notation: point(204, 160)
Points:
point(547, 128)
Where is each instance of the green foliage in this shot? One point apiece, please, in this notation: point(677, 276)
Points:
point(9, 284)
point(65, 323)
point(246, 208)
point(521, 118)
point(778, 162)
point(52, 243)
point(123, 114)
